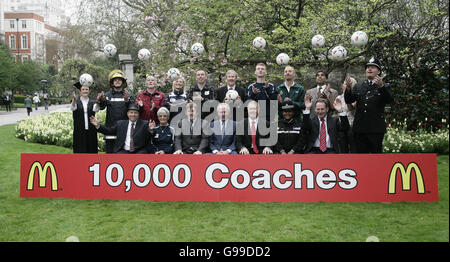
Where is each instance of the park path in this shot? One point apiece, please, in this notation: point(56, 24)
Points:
point(7, 118)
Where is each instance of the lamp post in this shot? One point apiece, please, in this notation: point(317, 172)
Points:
point(18, 42)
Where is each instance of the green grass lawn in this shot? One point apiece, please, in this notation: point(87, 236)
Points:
point(39, 219)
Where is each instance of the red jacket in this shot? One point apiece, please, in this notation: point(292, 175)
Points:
point(157, 98)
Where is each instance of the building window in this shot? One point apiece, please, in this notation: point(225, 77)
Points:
point(24, 23)
point(12, 42)
point(12, 24)
point(24, 58)
point(24, 42)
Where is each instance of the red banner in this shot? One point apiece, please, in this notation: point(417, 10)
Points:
point(239, 178)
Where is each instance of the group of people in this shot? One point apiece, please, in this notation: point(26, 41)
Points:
point(260, 119)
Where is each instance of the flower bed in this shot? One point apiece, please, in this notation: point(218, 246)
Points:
point(399, 140)
point(56, 129)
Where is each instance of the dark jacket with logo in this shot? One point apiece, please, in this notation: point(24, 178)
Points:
point(291, 135)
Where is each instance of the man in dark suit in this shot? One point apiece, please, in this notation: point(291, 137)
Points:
point(371, 97)
point(192, 133)
point(223, 137)
point(255, 135)
point(133, 134)
point(237, 103)
point(231, 77)
point(323, 128)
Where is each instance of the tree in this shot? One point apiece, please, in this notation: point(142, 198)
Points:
point(72, 69)
point(6, 65)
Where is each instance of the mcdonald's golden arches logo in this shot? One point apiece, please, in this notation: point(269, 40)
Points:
point(42, 173)
point(406, 178)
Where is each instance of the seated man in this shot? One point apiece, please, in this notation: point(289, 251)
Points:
point(254, 136)
point(133, 134)
point(222, 140)
point(323, 128)
point(291, 135)
point(192, 133)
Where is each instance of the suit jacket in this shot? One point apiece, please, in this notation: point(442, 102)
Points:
point(315, 94)
point(334, 125)
point(141, 135)
point(262, 140)
point(220, 141)
point(221, 92)
point(370, 103)
point(188, 141)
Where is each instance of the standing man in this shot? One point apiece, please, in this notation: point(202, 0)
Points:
point(371, 96)
point(150, 100)
point(237, 104)
point(8, 102)
point(36, 101)
point(116, 101)
point(201, 93)
point(262, 90)
point(231, 77)
point(322, 90)
point(291, 91)
point(28, 104)
point(46, 101)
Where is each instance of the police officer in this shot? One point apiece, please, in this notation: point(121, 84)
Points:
point(291, 136)
point(371, 97)
point(116, 101)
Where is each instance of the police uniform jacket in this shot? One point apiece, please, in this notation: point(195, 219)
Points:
point(291, 135)
point(116, 106)
point(370, 103)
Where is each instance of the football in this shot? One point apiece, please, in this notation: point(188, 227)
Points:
point(282, 59)
point(144, 54)
point(339, 53)
point(174, 73)
point(86, 80)
point(259, 43)
point(231, 95)
point(318, 41)
point(197, 49)
point(359, 38)
point(110, 50)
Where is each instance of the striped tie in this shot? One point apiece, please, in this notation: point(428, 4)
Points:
point(131, 138)
point(323, 136)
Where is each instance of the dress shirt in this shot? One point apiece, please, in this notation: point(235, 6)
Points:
point(317, 142)
point(320, 89)
point(127, 140)
point(85, 102)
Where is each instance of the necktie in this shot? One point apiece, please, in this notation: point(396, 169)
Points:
point(255, 148)
point(223, 127)
point(323, 136)
point(192, 126)
point(131, 138)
